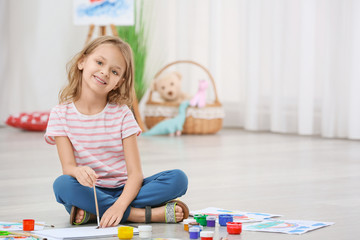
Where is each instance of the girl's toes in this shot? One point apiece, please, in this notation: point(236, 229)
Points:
point(79, 216)
point(179, 215)
point(178, 209)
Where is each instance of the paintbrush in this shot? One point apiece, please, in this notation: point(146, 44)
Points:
point(45, 225)
point(97, 208)
point(39, 224)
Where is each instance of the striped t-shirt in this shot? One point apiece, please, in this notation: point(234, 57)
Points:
point(96, 139)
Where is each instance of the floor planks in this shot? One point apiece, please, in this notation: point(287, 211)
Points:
point(300, 177)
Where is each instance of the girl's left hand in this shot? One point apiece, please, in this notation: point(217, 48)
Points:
point(111, 217)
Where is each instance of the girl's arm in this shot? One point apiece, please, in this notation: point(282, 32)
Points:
point(84, 174)
point(114, 214)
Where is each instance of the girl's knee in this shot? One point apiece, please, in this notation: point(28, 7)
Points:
point(180, 179)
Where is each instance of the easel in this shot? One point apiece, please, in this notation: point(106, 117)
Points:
point(135, 104)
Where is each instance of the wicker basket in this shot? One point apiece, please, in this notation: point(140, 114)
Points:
point(206, 120)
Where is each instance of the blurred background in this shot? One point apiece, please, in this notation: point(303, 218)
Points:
point(285, 66)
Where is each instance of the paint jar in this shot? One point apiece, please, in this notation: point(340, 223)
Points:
point(186, 223)
point(207, 235)
point(234, 227)
point(194, 232)
point(199, 227)
point(125, 232)
point(210, 221)
point(224, 218)
point(28, 224)
point(145, 231)
point(201, 219)
point(192, 224)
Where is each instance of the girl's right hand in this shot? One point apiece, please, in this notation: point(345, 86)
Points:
point(86, 176)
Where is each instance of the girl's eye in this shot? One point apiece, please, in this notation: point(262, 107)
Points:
point(99, 62)
point(115, 72)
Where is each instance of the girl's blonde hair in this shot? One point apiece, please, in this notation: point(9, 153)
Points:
point(124, 94)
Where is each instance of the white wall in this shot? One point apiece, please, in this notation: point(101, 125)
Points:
point(279, 65)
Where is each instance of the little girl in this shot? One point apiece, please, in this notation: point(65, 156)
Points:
point(96, 137)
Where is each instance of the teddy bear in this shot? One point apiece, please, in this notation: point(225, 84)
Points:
point(169, 87)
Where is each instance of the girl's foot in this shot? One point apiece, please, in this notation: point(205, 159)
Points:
point(79, 216)
point(158, 214)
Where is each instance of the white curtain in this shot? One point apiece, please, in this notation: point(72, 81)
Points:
point(37, 40)
point(279, 65)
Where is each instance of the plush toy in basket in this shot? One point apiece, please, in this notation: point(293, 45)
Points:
point(201, 117)
point(169, 88)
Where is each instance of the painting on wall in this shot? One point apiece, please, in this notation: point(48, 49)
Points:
point(103, 12)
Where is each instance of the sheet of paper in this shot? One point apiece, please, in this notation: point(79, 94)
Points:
point(238, 216)
point(18, 226)
point(286, 226)
point(79, 232)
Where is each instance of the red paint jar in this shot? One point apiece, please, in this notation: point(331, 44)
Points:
point(234, 227)
point(28, 224)
point(206, 235)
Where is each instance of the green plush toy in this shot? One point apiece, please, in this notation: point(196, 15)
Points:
point(173, 126)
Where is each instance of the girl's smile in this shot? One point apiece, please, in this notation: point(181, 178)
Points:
point(99, 80)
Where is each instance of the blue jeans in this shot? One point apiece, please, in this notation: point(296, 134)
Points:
point(155, 191)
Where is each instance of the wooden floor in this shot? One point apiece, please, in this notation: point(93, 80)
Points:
point(304, 178)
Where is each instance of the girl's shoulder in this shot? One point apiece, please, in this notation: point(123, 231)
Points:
point(63, 108)
point(112, 108)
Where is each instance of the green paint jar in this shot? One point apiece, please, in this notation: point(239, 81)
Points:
point(201, 219)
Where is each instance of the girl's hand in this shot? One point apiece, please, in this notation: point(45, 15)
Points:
point(86, 176)
point(111, 217)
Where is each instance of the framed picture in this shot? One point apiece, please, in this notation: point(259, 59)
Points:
point(104, 12)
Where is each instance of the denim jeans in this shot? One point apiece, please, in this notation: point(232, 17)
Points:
point(155, 191)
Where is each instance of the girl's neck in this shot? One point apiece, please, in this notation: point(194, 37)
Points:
point(90, 105)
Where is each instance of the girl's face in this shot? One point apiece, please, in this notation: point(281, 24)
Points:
point(102, 69)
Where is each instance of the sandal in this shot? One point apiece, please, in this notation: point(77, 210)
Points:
point(87, 216)
point(170, 216)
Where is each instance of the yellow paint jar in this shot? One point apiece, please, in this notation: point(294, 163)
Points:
point(125, 232)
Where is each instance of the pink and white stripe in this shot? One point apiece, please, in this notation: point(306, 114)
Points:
point(96, 139)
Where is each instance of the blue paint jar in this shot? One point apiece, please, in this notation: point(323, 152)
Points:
point(224, 218)
point(194, 232)
point(199, 227)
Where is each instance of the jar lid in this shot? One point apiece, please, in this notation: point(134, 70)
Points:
point(188, 220)
point(125, 229)
point(225, 215)
point(211, 218)
point(194, 223)
point(199, 227)
point(145, 228)
point(235, 225)
point(194, 229)
point(207, 234)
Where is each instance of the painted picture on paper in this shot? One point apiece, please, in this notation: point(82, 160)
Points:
point(104, 12)
point(238, 216)
point(16, 226)
point(287, 226)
